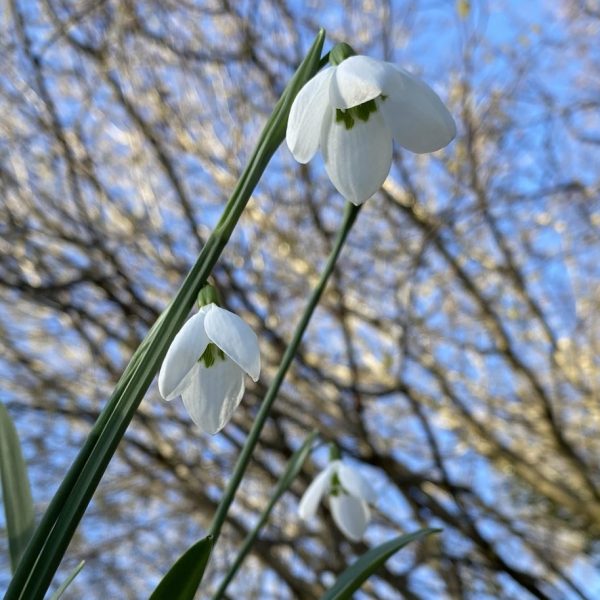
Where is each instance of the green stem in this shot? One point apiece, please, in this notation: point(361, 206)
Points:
point(292, 470)
point(350, 215)
point(52, 536)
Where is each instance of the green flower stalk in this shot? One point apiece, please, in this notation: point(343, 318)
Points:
point(350, 214)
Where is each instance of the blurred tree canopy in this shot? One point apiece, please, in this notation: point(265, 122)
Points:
point(455, 357)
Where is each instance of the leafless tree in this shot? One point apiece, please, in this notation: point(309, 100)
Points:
point(455, 356)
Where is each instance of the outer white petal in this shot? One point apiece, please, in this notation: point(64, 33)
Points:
point(357, 80)
point(306, 116)
point(355, 484)
point(351, 515)
point(417, 117)
point(235, 338)
point(183, 354)
point(192, 373)
point(213, 394)
point(357, 160)
point(315, 491)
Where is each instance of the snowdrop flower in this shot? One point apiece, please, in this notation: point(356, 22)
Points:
point(348, 494)
point(205, 364)
point(353, 110)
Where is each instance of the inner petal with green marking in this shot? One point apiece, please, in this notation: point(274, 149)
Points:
point(336, 486)
point(211, 355)
point(361, 112)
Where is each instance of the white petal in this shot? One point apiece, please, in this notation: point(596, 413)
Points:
point(351, 515)
point(235, 338)
point(306, 116)
point(355, 484)
point(315, 491)
point(357, 160)
point(178, 391)
point(213, 394)
point(183, 354)
point(417, 117)
point(356, 80)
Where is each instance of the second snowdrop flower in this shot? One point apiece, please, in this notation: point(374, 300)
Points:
point(353, 110)
point(349, 494)
point(206, 363)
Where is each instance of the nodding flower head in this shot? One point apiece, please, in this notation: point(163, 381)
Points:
point(349, 496)
point(206, 363)
point(353, 110)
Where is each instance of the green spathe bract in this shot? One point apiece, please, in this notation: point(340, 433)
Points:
point(340, 52)
point(208, 295)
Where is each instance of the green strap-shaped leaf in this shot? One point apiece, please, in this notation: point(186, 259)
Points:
point(57, 526)
point(18, 504)
point(293, 468)
point(67, 582)
point(184, 577)
point(356, 574)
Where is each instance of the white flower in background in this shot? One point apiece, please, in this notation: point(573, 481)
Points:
point(353, 110)
point(205, 364)
point(348, 493)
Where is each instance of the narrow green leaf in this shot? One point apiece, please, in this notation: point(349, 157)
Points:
point(18, 504)
point(356, 574)
point(293, 468)
point(67, 582)
point(52, 536)
point(184, 577)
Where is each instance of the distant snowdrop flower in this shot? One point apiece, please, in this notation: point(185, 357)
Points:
point(353, 110)
point(205, 365)
point(348, 494)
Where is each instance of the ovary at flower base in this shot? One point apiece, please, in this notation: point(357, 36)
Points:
point(349, 496)
point(353, 110)
point(206, 366)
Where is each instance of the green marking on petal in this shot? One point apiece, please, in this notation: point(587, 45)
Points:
point(211, 354)
point(337, 489)
point(345, 117)
point(362, 112)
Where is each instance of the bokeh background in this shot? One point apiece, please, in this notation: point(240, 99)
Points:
point(455, 355)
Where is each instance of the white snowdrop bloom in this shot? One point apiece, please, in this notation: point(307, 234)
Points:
point(353, 110)
point(205, 365)
point(348, 493)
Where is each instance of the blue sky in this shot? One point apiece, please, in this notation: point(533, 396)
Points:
point(430, 41)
